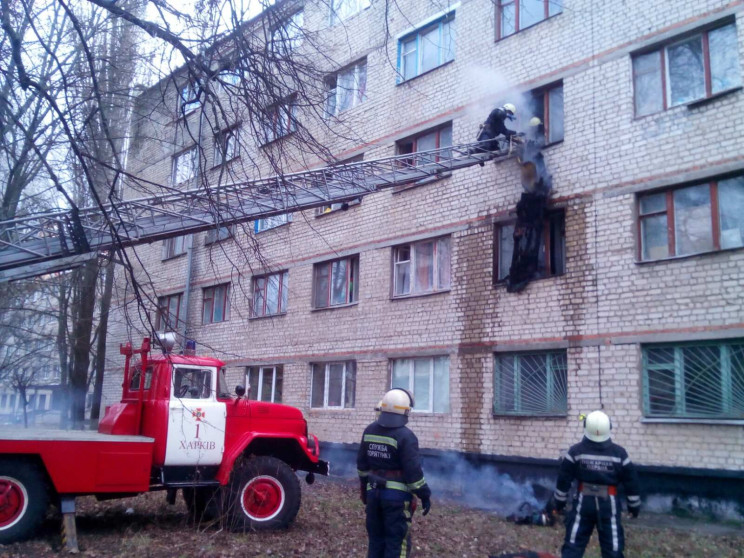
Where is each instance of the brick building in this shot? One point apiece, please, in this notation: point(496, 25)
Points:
point(638, 308)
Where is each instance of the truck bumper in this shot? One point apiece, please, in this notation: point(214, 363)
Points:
point(320, 468)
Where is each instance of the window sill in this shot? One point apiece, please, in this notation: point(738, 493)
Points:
point(422, 182)
point(499, 39)
point(502, 282)
point(173, 257)
point(214, 323)
point(733, 422)
point(335, 306)
point(267, 316)
point(350, 204)
point(701, 102)
point(277, 140)
point(528, 417)
point(217, 240)
point(687, 256)
point(420, 295)
point(218, 166)
point(427, 72)
point(274, 227)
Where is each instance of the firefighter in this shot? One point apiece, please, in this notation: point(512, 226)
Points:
point(495, 125)
point(390, 475)
point(599, 466)
point(536, 132)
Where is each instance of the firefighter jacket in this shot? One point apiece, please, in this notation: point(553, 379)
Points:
point(392, 454)
point(495, 125)
point(598, 463)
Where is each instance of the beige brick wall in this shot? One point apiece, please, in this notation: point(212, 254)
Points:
point(600, 309)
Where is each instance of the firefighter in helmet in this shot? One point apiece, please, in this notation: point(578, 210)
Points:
point(495, 125)
point(390, 475)
point(599, 466)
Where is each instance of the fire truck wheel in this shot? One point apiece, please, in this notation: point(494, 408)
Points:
point(264, 494)
point(202, 503)
point(23, 500)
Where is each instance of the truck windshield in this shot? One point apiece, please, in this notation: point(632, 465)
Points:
point(222, 389)
point(193, 383)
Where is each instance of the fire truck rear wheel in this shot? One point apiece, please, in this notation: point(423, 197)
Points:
point(23, 499)
point(264, 494)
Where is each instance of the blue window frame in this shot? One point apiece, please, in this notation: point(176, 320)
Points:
point(426, 48)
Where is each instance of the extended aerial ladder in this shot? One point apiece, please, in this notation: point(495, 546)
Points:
point(46, 242)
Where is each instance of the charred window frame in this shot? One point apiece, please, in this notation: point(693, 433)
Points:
point(279, 120)
point(530, 384)
point(336, 282)
point(270, 294)
point(552, 254)
point(265, 383)
point(546, 103)
point(427, 48)
point(184, 166)
point(690, 68)
point(216, 304)
point(226, 145)
point(260, 225)
point(169, 310)
point(333, 385)
point(513, 16)
point(694, 380)
point(691, 219)
point(346, 89)
point(427, 378)
point(344, 9)
point(423, 267)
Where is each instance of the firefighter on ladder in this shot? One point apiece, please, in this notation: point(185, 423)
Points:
point(599, 466)
point(495, 126)
point(390, 475)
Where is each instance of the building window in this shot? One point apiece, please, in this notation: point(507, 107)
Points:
point(184, 166)
point(530, 384)
point(427, 48)
point(169, 308)
point(344, 9)
point(427, 379)
point(270, 293)
point(547, 104)
point(515, 15)
point(226, 146)
point(218, 235)
point(346, 88)
point(173, 247)
point(267, 223)
point(342, 174)
point(421, 267)
point(215, 304)
point(265, 383)
point(288, 36)
point(189, 98)
point(435, 138)
point(333, 385)
point(694, 380)
point(336, 283)
point(279, 120)
point(551, 254)
point(696, 67)
point(693, 219)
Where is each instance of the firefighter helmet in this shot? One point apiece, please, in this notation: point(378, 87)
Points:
point(534, 121)
point(395, 407)
point(510, 109)
point(597, 426)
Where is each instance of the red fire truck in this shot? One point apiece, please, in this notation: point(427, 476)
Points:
point(177, 427)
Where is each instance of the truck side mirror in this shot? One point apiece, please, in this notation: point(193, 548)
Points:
point(239, 390)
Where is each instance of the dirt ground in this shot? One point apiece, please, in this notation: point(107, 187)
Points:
point(331, 524)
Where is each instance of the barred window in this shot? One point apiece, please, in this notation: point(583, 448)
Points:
point(530, 384)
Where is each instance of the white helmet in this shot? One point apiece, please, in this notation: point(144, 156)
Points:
point(395, 407)
point(510, 108)
point(534, 121)
point(597, 426)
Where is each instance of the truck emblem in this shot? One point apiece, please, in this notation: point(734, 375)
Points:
point(198, 414)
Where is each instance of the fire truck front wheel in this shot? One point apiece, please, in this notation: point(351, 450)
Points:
point(264, 494)
point(23, 499)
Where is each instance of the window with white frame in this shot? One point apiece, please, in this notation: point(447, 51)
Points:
point(260, 225)
point(216, 304)
point(434, 138)
point(226, 145)
point(270, 294)
point(514, 15)
point(530, 384)
point(288, 36)
point(695, 67)
point(279, 120)
point(173, 247)
point(346, 88)
point(169, 309)
point(184, 166)
point(333, 385)
point(422, 267)
point(336, 283)
point(265, 383)
point(545, 103)
point(189, 98)
point(427, 48)
point(702, 380)
point(344, 9)
point(692, 219)
point(427, 378)
point(551, 254)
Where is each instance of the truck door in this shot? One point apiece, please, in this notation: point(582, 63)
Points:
point(196, 419)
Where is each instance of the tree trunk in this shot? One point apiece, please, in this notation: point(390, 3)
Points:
point(108, 289)
point(83, 309)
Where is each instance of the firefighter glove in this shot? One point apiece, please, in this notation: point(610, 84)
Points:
point(426, 505)
point(634, 511)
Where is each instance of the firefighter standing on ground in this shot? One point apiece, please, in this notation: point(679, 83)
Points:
point(599, 466)
point(390, 474)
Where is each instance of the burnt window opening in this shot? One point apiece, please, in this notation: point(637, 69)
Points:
point(551, 251)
